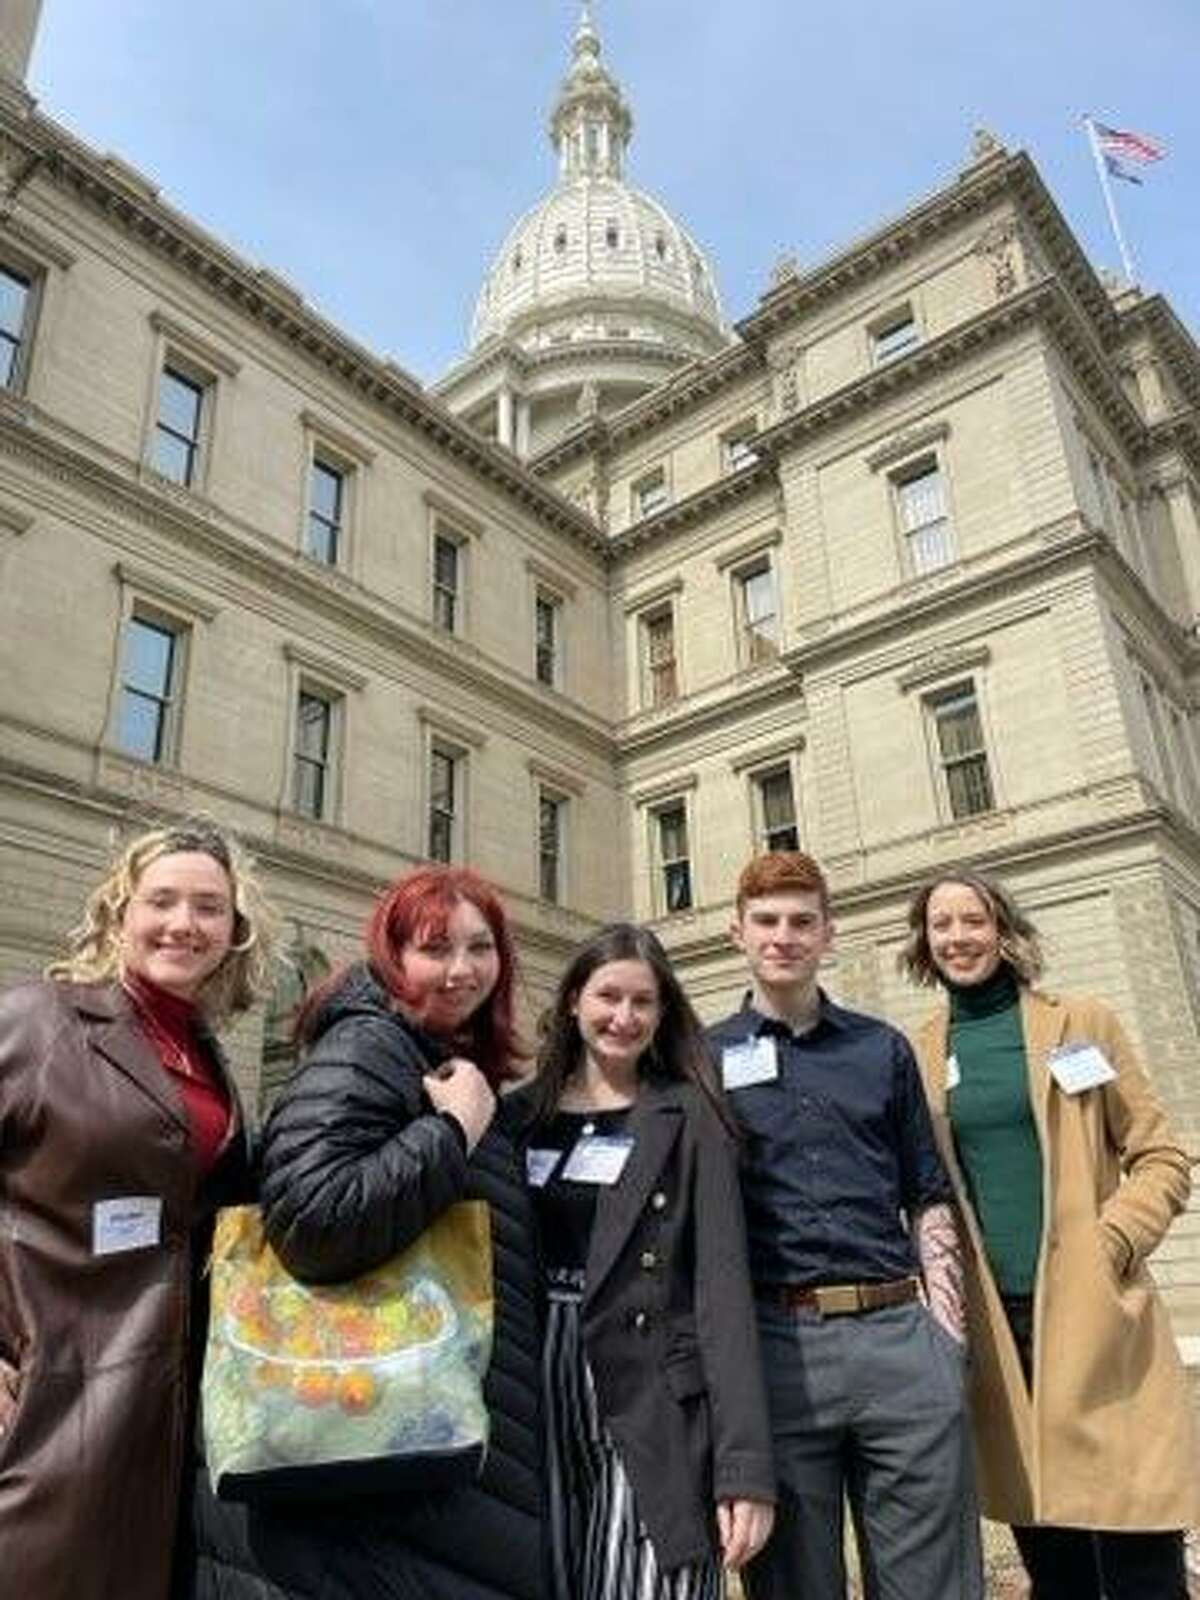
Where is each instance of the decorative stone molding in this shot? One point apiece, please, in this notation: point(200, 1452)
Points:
point(324, 668)
point(33, 240)
point(907, 444)
point(945, 662)
point(758, 545)
point(149, 584)
point(996, 247)
point(662, 789)
point(436, 721)
point(652, 597)
point(337, 439)
point(195, 345)
point(555, 777)
point(762, 755)
point(552, 577)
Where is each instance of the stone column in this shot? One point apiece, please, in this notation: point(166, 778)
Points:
point(18, 29)
point(504, 416)
point(523, 428)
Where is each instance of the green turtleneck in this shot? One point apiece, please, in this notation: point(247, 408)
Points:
point(993, 1124)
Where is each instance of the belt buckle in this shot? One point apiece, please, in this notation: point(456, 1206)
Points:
point(838, 1299)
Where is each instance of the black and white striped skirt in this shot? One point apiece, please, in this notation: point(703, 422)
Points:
point(600, 1550)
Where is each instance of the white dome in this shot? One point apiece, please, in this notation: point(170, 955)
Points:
point(596, 259)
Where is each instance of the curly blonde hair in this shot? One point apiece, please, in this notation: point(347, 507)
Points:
point(1019, 942)
point(94, 948)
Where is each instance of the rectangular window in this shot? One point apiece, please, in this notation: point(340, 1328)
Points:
point(777, 811)
point(661, 674)
point(758, 620)
point(447, 583)
point(736, 449)
point(15, 300)
point(894, 337)
point(673, 858)
point(1166, 766)
point(650, 494)
point(444, 800)
point(550, 846)
point(961, 749)
point(177, 431)
point(311, 764)
point(149, 683)
point(924, 521)
point(546, 639)
point(326, 510)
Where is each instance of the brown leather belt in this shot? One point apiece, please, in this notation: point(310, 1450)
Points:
point(839, 1299)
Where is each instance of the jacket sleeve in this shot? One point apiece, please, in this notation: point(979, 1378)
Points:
point(354, 1168)
point(1157, 1168)
point(725, 1320)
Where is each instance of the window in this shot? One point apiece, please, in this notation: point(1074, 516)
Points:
point(326, 512)
point(893, 337)
point(612, 236)
point(444, 803)
point(551, 809)
point(674, 862)
point(924, 521)
point(16, 299)
point(150, 681)
point(776, 810)
point(312, 792)
point(177, 431)
point(546, 665)
point(447, 581)
point(757, 614)
point(661, 677)
point(650, 494)
point(736, 451)
point(964, 762)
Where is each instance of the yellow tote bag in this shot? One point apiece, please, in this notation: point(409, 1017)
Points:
point(353, 1388)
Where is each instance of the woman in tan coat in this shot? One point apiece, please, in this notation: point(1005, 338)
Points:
point(1068, 1175)
point(119, 1134)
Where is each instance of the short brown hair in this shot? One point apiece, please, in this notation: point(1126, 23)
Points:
point(782, 872)
point(1019, 943)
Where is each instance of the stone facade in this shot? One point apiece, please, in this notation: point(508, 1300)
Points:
point(908, 569)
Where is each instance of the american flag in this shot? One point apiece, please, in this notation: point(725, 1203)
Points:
point(1119, 146)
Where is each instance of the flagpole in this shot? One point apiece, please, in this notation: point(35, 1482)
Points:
point(1106, 188)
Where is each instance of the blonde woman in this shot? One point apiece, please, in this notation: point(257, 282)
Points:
point(1068, 1175)
point(120, 1132)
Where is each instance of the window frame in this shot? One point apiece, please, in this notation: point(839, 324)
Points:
point(326, 764)
point(453, 537)
point(156, 602)
point(753, 647)
point(660, 610)
point(935, 702)
point(649, 493)
point(764, 839)
point(677, 804)
point(548, 796)
point(335, 682)
point(546, 600)
point(926, 463)
point(20, 269)
point(736, 453)
point(884, 327)
point(168, 700)
point(187, 377)
point(455, 760)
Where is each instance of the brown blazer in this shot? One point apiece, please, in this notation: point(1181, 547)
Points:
point(1108, 1439)
point(669, 1326)
point(92, 1453)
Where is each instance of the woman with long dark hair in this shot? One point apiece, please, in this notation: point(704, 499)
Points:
point(658, 1444)
point(391, 1117)
point(1067, 1174)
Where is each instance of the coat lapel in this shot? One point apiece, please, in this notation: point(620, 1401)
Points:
point(1043, 1022)
point(114, 1035)
point(654, 1126)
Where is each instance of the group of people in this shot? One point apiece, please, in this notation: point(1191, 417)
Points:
point(743, 1276)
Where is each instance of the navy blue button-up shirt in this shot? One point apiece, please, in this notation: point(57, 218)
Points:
point(838, 1149)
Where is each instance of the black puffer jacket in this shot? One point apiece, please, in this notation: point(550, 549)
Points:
point(355, 1165)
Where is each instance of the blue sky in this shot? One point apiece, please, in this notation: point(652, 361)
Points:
point(375, 152)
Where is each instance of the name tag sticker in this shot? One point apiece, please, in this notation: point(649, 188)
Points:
point(539, 1164)
point(1077, 1067)
point(598, 1158)
point(753, 1061)
point(131, 1224)
point(953, 1075)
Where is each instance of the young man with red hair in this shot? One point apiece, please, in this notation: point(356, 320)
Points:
point(856, 1270)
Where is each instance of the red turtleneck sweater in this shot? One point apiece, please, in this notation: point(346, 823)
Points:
point(170, 1024)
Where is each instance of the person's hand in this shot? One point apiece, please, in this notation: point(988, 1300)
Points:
point(458, 1086)
point(8, 1394)
point(743, 1527)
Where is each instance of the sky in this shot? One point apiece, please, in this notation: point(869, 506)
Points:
point(376, 152)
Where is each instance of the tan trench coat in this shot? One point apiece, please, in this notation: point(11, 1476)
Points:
point(92, 1454)
point(1108, 1441)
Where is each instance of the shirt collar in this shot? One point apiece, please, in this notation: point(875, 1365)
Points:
point(758, 1026)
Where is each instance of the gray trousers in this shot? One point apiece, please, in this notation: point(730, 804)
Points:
point(869, 1410)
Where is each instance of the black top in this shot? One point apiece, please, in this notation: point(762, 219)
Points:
point(838, 1151)
point(566, 1208)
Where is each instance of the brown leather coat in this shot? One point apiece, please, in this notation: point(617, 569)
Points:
point(92, 1449)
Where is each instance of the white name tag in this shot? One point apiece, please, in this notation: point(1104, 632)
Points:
point(598, 1158)
point(1077, 1067)
point(753, 1061)
point(131, 1224)
point(953, 1075)
point(539, 1164)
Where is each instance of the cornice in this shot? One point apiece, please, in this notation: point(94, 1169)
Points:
point(1154, 316)
point(714, 496)
point(692, 385)
point(590, 437)
point(238, 556)
point(130, 202)
point(730, 701)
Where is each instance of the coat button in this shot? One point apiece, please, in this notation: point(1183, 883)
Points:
point(658, 1200)
point(649, 1260)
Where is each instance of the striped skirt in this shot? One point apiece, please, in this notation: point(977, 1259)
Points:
point(600, 1549)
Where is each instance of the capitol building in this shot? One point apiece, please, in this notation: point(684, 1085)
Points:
point(900, 565)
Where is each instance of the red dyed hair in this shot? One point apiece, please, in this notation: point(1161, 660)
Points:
point(418, 906)
point(782, 872)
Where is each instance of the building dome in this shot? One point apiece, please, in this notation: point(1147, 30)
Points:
point(596, 259)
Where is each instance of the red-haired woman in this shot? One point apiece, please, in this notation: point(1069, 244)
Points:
point(391, 1117)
